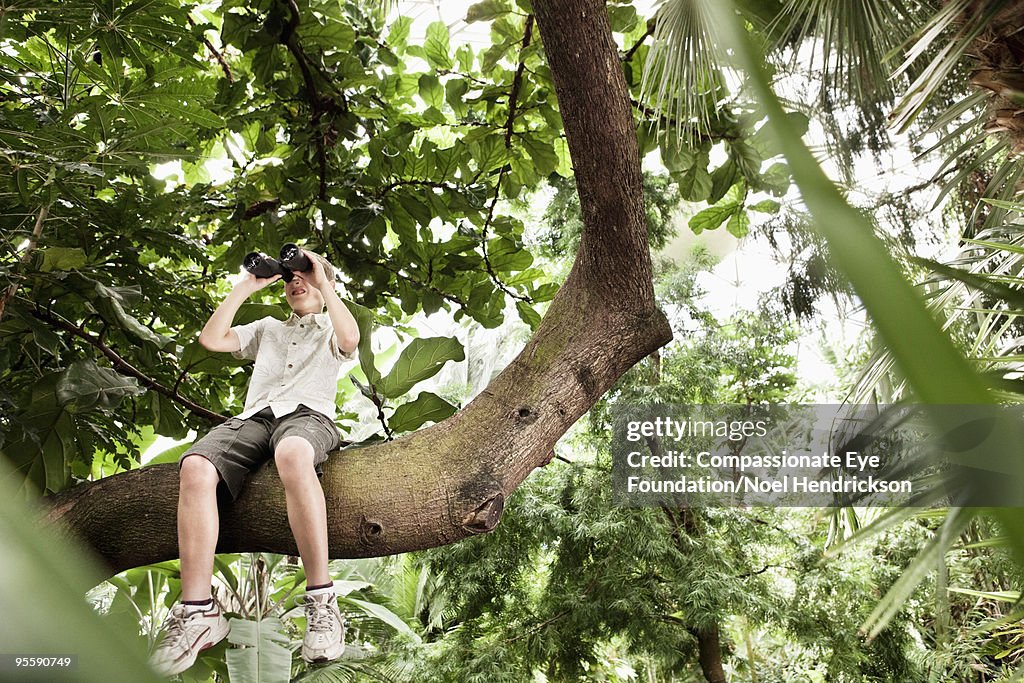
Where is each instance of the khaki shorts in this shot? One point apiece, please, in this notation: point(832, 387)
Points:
point(238, 447)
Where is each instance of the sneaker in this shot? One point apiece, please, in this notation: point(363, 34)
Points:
point(185, 636)
point(325, 629)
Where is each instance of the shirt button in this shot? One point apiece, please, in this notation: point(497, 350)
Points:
point(302, 326)
point(294, 343)
point(289, 365)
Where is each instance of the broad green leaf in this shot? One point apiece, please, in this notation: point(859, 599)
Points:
point(62, 258)
point(426, 407)
point(421, 359)
point(364, 319)
point(487, 10)
point(111, 303)
point(527, 314)
point(263, 657)
point(431, 90)
point(398, 33)
point(695, 182)
point(505, 255)
point(48, 574)
point(739, 224)
point(385, 615)
point(765, 206)
point(436, 46)
point(543, 154)
point(712, 217)
point(85, 386)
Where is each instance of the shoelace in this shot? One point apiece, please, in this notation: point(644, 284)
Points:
point(174, 629)
point(318, 615)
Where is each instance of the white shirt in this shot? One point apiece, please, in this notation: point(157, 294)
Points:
point(297, 361)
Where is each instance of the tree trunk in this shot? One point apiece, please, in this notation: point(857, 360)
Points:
point(709, 651)
point(448, 481)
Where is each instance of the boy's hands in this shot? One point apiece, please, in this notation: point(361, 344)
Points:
point(250, 284)
point(317, 277)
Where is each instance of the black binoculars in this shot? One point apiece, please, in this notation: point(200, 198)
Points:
point(291, 260)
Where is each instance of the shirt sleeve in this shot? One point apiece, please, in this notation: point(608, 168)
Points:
point(249, 337)
point(337, 352)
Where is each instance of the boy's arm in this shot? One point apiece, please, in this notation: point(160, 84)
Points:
point(346, 331)
point(217, 334)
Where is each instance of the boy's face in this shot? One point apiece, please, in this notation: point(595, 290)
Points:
point(303, 297)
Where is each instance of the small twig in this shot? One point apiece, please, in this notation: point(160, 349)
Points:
point(37, 232)
point(651, 24)
point(216, 53)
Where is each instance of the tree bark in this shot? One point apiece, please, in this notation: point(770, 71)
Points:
point(709, 653)
point(449, 481)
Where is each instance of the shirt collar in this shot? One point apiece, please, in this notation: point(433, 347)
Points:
point(318, 318)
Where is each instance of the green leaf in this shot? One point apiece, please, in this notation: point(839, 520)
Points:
point(431, 91)
point(427, 407)
point(695, 182)
point(747, 159)
point(170, 455)
point(398, 34)
point(52, 573)
point(487, 10)
point(455, 91)
point(723, 178)
point(263, 657)
point(739, 224)
point(528, 315)
point(506, 256)
point(622, 17)
point(420, 360)
point(111, 303)
point(332, 35)
point(364, 320)
point(436, 46)
point(712, 217)
point(62, 258)
point(85, 386)
point(385, 615)
point(543, 154)
point(766, 206)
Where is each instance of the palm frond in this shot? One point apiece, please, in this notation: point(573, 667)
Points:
point(948, 20)
point(683, 73)
point(852, 41)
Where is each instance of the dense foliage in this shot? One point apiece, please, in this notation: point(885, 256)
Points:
point(148, 146)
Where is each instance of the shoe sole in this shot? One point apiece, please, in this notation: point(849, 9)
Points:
point(329, 655)
point(214, 638)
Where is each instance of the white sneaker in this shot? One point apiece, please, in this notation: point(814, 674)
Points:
point(185, 636)
point(325, 629)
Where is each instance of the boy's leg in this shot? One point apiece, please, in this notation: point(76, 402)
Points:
point(196, 623)
point(301, 442)
point(198, 525)
point(307, 510)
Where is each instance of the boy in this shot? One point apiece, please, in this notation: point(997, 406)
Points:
point(288, 415)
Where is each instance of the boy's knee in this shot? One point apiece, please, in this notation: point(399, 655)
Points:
point(293, 457)
point(198, 472)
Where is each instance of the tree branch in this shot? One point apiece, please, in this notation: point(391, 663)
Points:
point(216, 54)
point(126, 368)
point(37, 231)
point(450, 480)
point(652, 23)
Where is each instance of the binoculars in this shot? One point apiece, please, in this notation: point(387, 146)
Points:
point(291, 259)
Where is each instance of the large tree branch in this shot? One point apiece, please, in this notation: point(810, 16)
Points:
point(449, 481)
